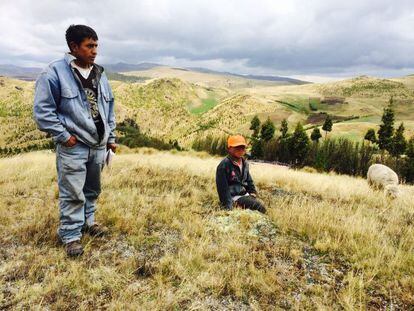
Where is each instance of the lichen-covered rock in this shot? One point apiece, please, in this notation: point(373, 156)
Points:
point(246, 222)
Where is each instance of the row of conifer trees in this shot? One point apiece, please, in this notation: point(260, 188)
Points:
point(387, 145)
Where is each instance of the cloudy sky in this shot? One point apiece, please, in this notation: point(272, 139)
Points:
point(290, 38)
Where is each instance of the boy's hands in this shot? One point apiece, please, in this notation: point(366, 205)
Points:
point(253, 194)
point(71, 142)
point(112, 147)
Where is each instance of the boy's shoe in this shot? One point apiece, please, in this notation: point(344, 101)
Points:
point(95, 230)
point(74, 248)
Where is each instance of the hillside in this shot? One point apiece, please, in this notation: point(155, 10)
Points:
point(362, 98)
point(187, 104)
point(205, 78)
point(160, 107)
point(16, 125)
point(225, 109)
point(365, 86)
point(328, 242)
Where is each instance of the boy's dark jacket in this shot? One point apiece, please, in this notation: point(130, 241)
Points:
point(231, 182)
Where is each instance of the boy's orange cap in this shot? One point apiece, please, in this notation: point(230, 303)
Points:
point(236, 140)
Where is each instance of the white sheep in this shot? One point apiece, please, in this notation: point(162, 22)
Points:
point(382, 177)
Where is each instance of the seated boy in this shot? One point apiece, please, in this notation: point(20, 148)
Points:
point(233, 180)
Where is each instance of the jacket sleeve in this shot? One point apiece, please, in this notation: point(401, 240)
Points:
point(251, 188)
point(47, 95)
point(223, 188)
point(111, 117)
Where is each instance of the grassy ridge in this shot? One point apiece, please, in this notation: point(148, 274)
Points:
point(328, 242)
point(366, 87)
point(174, 109)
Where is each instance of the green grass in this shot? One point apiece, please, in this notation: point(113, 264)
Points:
point(207, 104)
point(351, 135)
point(295, 106)
point(314, 104)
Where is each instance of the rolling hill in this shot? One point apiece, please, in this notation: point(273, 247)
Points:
point(205, 78)
point(175, 104)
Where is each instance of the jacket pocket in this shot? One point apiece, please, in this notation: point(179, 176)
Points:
point(68, 99)
point(69, 93)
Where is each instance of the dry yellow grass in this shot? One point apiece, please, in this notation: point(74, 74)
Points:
point(328, 241)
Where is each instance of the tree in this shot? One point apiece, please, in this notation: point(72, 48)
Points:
point(283, 152)
point(327, 125)
point(299, 144)
point(399, 143)
point(255, 126)
point(410, 148)
point(370, 136)
point(257, 148)
point(386, 130)
point(271, 150)
point(408, 170)
point(268, 130)
point(284, 128)
point(316, 135)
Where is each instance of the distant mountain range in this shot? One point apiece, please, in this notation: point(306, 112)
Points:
point(30, 73)
point(22, 73)
point(251, 77)
point(124, 67)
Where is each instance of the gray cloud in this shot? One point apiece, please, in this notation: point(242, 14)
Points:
point(269, 36)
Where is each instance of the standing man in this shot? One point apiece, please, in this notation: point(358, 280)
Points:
point(75, 105)
point(234, 183)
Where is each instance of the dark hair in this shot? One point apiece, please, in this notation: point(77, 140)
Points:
point(77, 33)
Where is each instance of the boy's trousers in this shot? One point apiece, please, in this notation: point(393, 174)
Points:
point(79, 180)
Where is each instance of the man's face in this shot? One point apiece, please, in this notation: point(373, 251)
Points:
point(85, 52)
point(237, 152)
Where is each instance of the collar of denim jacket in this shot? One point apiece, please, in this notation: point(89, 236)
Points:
point(70, 58)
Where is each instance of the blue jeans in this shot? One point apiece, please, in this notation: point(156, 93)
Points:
point(79, 180)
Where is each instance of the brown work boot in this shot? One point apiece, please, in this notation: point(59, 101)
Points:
point(74, 248)
point(95, 230)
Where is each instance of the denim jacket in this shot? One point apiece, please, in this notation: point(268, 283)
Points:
point(231, 182)
point(61, 107)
